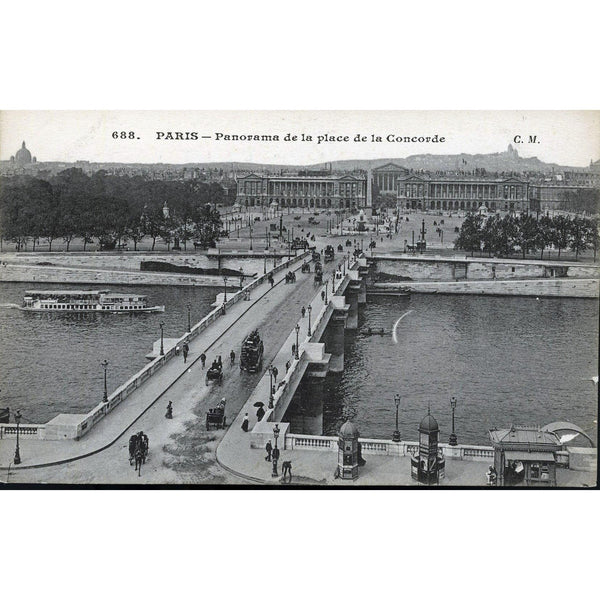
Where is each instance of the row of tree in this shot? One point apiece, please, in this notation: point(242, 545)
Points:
point(109, 208)
point(504, 236)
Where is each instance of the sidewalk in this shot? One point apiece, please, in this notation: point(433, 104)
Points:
point(234, 453)
point(36, 453)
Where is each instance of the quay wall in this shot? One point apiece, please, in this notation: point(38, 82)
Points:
point(437, 268)
point(24, 273)
point(251, 262)
point(549, 288)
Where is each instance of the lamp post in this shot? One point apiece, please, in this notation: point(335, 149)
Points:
point(396, 436)
point(265, 266)
point(452, 440)
point(17, 458)
point(270, 386)
point(225, 282)
point(189, 308)
point(275, 436)
point(326, 286)
point(297, 328)
point(250, 236)
point(309, 308)
point(162, 346)
point(105, 396)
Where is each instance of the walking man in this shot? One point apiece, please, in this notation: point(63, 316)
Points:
point(260, 413)
point(245, 423)
point(287, 366)
point(303, 311)
point(203, 359)
point(268, 448)
point(186, 349)
point(275, 456)
point(293, 349)
point(275, 373)
point(287, 471)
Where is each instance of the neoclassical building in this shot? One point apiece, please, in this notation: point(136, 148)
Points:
point(463, 193)
point(324, 191)
point(386, 177)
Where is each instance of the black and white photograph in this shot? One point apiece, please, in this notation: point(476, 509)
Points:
point(299, 298)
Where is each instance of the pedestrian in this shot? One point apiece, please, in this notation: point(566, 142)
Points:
point(293, 349)
point(219, 362)
point(203, 359)
point(186, 350)
point(275, 373)
point(232, 356)
point(287, 366)
point(323, 295)
point(303, 311)
point(287, 470)
point(268, 448)
point(169, 414)
point(260, 413)
point(245, 423)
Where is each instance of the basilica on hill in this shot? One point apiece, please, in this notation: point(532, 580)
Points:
point(22, 157)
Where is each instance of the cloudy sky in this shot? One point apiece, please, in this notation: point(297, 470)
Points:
point(567, 137)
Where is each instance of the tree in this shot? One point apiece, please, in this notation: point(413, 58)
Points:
point(593, 234)
point(470, 236)
point(561, 232)
point(579, 239)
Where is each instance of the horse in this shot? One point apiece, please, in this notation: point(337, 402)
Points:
point(139, 459)
point(132, 447)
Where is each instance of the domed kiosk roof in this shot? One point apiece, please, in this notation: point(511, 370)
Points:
point(348, 430)
point(428, 424)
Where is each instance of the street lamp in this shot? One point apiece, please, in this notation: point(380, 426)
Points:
point(270, 386)
point(452, 440)
point(396, 436)
point(189, 308)
point(297, 328)
point(309, 308)
point(105, 396)
point(162, 346)
point(275, 436)
point(225, 282)
point(17, 458)
point(326, 286)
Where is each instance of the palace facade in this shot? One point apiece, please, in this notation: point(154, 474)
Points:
point(462, 193)
point(319, 191)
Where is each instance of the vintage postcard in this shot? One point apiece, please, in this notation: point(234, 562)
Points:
point(299, 299)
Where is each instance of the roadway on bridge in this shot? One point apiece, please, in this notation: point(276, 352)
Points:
point(181, 450)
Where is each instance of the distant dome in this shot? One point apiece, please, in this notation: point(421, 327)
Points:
point(348, 430)
point(23, 156)
point(429, 425)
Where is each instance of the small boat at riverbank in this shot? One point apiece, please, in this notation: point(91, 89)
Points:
point(79, 301)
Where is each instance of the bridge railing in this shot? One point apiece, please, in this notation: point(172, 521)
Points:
point(294, 441)
point(9, 430)
point(123, 391)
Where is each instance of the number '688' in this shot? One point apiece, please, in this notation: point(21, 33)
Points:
point(123, 135)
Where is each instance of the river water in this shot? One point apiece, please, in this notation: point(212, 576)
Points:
point(505, 359)
point(51, 363)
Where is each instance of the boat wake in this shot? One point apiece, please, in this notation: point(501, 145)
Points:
point(396, 325)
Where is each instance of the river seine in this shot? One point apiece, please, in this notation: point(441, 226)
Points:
point(505, 360)
point(51, 363)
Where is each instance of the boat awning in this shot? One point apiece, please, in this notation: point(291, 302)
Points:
point(529, 456)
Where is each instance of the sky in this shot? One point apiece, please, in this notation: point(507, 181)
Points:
point(569, 138)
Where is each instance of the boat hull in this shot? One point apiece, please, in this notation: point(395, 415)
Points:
point(149, 309)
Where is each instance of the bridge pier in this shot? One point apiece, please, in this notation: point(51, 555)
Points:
point(352, 300)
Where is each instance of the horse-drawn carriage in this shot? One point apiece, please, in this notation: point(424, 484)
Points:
point(290, 277)
point(138, 450)
point(215, 417)
point(305, 268)
point(316, 256)
point(215, 373)
point(329, 253)
point(252, 353)
point(318, 273)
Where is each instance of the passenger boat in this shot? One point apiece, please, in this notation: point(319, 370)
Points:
point(78, 301)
